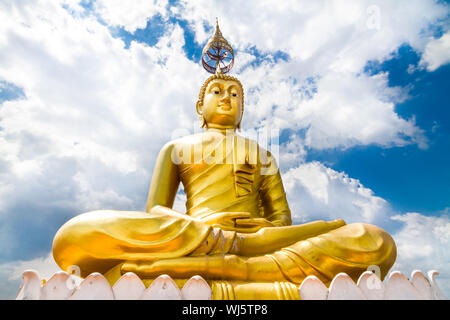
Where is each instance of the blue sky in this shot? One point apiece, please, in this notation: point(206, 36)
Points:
point(388, 170)
point(358, 90)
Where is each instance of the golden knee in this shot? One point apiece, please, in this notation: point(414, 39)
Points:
point(380, 246)
point(73, 245)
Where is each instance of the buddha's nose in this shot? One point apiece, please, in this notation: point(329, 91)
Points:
point(225, 98)
point(225, 103)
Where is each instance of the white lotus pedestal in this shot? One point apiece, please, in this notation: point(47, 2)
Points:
point(62, 286)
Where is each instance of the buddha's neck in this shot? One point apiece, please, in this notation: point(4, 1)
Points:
point(223, 131)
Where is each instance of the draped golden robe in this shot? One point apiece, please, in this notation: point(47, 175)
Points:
point(233, 175)
point(219, 176)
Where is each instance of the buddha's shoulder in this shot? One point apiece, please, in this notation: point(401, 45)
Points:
point(184, 141)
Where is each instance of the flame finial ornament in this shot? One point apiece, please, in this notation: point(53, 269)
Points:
point(217, 55)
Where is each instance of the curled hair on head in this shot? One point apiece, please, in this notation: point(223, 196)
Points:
point(221, 76)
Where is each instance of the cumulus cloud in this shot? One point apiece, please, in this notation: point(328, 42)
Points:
point(137, 12)
point(423, 243)
point(45, 266)
point(317, 192)
point(350, 110)
point(11, 273)
point(437, 53)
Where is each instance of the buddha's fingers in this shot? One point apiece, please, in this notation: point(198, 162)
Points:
point(209, 267)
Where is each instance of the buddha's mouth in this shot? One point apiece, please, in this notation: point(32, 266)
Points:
point(225, 107)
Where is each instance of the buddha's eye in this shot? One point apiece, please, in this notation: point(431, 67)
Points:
point(216, 91)
point(234, 94)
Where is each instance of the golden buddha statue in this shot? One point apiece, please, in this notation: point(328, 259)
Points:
point(236, 232)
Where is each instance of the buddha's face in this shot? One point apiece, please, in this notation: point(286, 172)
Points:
point(222, 104)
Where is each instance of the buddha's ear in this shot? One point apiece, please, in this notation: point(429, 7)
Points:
point(198, 107)
point(240, 120)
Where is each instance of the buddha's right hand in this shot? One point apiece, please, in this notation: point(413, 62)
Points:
point(236, 221)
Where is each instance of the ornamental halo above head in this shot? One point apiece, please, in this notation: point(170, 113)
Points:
point(218, 59)
point(217, 52)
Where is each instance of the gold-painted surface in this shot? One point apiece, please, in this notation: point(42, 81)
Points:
point(236, 232)
point(234, 290)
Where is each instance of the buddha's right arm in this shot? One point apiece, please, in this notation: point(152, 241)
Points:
point(165, 180)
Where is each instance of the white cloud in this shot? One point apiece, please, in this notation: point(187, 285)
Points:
point(353, 110)
point(437, 53)
point(180, 201)
point(137, 12)
point(11, 273)
point(45, 266)
point(422, 235)
point(423, 243)
point(317, 192)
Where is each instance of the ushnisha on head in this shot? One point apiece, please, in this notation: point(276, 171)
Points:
point(220, 102)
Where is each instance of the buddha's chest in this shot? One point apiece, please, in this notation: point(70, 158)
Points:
point(223, 165)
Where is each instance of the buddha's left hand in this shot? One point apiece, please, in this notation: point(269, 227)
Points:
point(250, 225)
point(237, 221)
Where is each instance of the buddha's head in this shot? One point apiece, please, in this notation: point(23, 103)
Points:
point(220, 103)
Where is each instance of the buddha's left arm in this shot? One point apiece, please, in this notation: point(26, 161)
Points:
point(273, 196)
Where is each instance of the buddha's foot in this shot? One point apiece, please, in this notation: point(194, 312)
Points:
point(209, 267)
